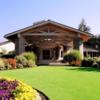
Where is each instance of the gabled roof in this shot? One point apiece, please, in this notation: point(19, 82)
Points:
point(40, 23)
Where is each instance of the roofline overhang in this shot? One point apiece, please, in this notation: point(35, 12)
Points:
point(47, 22)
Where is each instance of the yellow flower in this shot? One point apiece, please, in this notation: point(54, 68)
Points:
point(23, 91)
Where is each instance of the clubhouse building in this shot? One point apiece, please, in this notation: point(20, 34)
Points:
point(49, 40)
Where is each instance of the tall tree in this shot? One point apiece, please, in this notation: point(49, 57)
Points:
point(83, 26)
point(93, 42)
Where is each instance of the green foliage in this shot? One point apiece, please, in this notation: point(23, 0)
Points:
point(91, 62)
point(31, 63)
point(83, 26)
point(27, 59)
point(97, 61)
point(21, 60)
point(8, 56)
point(73, 56)
point(19, 65)
point(30, 56)
point(94, 42)
point(87, 62)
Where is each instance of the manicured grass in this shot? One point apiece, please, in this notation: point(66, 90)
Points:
point(61, 83)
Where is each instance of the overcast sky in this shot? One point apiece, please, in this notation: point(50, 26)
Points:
point(17, 14)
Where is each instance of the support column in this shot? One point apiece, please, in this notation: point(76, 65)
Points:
point(19, 45)
point(81, 49)
point(78, 45)
point(40, 54)
point(60, 54)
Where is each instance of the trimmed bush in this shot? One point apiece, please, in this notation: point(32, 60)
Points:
point(31, 63)
point(91, 62)
point(27, 59)
point(21, 60)
point(74, 57)
point(30, 56)
point(97, 62)
point(8, 56)
point(88, 62)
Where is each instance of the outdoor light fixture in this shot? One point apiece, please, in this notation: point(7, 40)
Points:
point(47, 39)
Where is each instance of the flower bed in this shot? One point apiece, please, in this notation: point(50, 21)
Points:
point(24, 60)
point(16, 90)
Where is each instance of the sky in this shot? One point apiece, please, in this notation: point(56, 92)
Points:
point(17, 14)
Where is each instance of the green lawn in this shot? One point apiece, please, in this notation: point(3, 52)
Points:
point(61, 83)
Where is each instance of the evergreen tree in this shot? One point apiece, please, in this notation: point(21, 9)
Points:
point(83, 26)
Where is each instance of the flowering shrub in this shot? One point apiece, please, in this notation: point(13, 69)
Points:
point(27, 59)
point(21, 60)
point(7, 88)
point(31, 58)
point(10, 63)
point(16, 90)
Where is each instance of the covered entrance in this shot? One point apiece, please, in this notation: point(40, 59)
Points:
point(49, 43)
point(47, 55)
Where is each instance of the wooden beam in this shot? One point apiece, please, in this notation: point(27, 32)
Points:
point(50, 34)
point(48, 40)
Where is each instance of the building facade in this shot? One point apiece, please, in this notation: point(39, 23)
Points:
point(49, 40)
point(7, 47)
